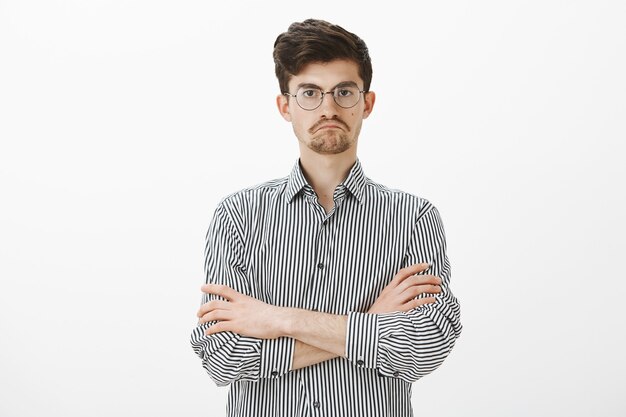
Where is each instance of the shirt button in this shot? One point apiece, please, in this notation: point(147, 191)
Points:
point(320, 265)
point(360, 362)
point(396, 374)
point(316, 404)
point(274, 373)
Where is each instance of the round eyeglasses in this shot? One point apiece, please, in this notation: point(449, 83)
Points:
point(310, 98)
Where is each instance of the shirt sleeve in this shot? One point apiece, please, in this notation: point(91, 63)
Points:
point(228, 356)
point(409, 345)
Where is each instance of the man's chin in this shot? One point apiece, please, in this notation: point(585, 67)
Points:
point(329, 144)
point(332, 148)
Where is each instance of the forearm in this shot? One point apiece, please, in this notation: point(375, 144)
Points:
point(326, 332)
point(306, 355)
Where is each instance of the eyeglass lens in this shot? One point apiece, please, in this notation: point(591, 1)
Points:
point(310, 98)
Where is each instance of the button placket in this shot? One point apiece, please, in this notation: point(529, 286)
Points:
point(322, 248)
point(313, 396)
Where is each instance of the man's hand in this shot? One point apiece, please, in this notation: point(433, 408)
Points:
point(240, 314)
point(400, 293)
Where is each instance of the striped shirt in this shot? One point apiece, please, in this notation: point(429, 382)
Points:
point(276, 243)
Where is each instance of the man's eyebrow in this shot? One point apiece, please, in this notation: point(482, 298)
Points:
point(346, 84)
point(341, 84)
point(307, 85)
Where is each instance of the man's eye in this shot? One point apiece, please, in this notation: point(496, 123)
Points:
point(309, 93)
point(344, 93)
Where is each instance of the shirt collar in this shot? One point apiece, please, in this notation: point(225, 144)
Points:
point(354, 183)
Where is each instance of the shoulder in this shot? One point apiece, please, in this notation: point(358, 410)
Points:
point(402, 200)
point(255, 195)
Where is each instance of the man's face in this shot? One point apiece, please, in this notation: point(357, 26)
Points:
point(328, 129)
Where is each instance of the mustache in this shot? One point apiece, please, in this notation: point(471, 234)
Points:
point(335, 119)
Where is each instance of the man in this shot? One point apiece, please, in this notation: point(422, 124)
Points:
point(326, 294)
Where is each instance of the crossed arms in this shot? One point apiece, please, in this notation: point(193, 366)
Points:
point(319, 336)
point(406, 333)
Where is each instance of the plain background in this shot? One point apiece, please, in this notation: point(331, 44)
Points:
point(123, 123)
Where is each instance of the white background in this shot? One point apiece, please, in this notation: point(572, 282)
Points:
point(123, 123)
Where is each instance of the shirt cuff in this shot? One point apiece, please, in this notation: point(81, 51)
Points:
point(276, 357)
point(362, 339)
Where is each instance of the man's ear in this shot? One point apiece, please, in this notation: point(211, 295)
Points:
point(370, 99)
point(282, 102)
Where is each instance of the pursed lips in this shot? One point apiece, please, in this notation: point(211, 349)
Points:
point(329, 126)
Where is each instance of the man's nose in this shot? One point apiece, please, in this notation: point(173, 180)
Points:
point(329, 106)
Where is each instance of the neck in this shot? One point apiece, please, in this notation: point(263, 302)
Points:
point(326, 172)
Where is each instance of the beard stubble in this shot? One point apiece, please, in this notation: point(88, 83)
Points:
point(332, 141)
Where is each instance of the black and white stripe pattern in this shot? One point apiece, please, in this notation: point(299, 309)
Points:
point(276, 243)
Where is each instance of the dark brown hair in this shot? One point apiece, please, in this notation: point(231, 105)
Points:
point(318, 41)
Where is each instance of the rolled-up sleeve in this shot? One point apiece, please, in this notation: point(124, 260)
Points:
point(228, 356)
point(409, 345)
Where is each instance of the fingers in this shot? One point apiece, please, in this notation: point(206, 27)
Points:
point(417, 285)
point(221, 290)
point(222, 326)
point(419, 280)
point(417, 302)
point(417, 290)
point(216, 315)
point(212, 305)
point(410, 270)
